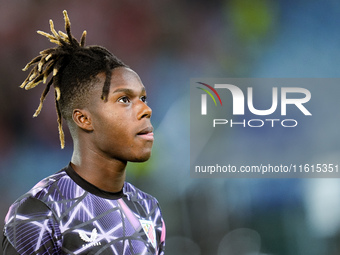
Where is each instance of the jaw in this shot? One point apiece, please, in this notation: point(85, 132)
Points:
point(143, 153)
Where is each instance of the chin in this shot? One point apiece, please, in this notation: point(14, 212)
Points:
point(141, 158)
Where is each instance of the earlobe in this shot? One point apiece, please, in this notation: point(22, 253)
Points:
point(82, 119)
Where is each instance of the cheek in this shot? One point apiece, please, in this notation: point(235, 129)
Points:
point(106, 120)
point(115, 129)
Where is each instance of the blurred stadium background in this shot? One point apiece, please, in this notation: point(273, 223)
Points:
point(168, 42)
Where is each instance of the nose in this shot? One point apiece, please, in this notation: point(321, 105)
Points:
point(145, 111)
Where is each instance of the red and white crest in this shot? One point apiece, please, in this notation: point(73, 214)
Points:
point(149, 230)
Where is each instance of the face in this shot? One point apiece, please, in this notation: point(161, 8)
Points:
point(121, 126)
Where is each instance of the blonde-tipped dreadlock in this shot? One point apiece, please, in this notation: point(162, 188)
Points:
point(72, 66)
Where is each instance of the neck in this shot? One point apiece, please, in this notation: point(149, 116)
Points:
point(105, 173)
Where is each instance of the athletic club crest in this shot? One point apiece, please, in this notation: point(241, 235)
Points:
point(149, 230)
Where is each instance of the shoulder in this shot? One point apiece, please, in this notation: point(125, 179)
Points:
point(32, 213)
point(47, 183)
point(141, 202)
point(135, 193)
point(36, 198)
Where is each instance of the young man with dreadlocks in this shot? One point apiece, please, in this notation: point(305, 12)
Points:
point(87, 207)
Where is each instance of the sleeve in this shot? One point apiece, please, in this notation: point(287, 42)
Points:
point(162, 241)
point(7, 248)
point(31, 228)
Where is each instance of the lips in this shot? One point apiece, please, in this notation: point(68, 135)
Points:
point(146, 133)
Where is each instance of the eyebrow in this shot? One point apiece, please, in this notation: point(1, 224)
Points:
point(127, 91)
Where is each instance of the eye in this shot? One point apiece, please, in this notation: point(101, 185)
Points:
point(143, 99)
point(124, 100)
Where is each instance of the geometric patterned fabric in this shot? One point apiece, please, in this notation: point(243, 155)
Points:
point(64, 214)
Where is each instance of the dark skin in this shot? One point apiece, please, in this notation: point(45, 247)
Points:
point(109, 134)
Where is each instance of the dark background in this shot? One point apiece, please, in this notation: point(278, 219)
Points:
point(167, 43)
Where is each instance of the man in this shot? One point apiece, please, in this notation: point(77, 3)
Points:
point(87, 207)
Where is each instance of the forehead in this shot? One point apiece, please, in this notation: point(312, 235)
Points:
point(123, 77)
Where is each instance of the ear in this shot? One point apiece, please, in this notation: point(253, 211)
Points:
point(83, 119)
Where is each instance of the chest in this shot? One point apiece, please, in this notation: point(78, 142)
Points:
point(92, 225)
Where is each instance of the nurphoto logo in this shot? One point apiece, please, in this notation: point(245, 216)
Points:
point(204, 97)
point(264, 127)
point(280, 99)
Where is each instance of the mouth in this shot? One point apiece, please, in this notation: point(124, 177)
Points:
point(146, 133)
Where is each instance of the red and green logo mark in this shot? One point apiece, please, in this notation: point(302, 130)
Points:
point(204, 97)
